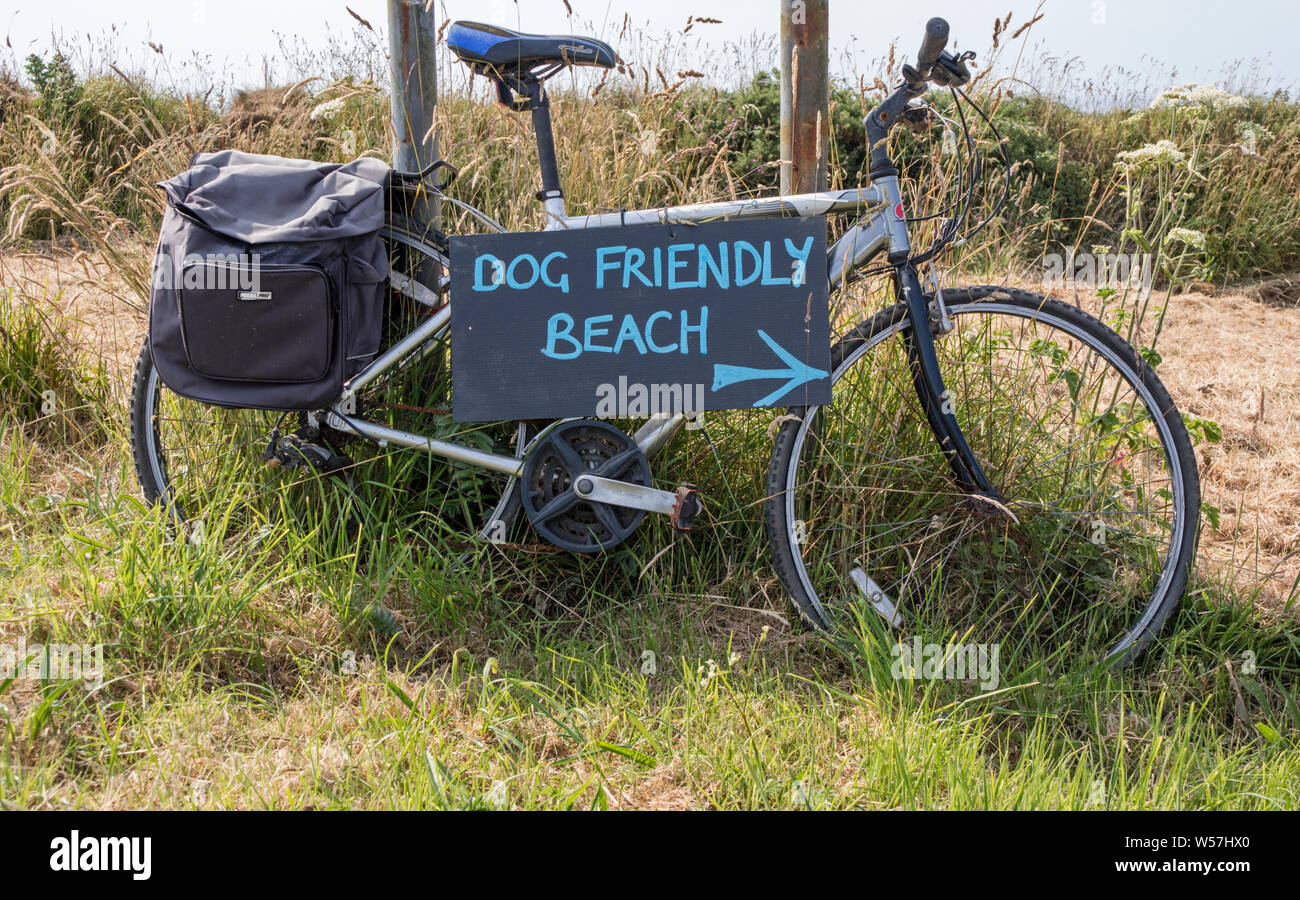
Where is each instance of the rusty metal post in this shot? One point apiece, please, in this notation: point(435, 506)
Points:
point(412, 56)
point(805, 95)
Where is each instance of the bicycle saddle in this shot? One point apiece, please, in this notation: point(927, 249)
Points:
point(487, 45)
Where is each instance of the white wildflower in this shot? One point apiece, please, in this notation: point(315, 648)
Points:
point(709, 671)
point(327, 110)
point(1208, 95)
point(1254, 128)
point(1179, 96)
point(1188, 236)
point(1203, 95)
point(1159, 153)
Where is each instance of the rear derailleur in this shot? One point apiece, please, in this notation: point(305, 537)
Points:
point(309, 448)
point(305, 448)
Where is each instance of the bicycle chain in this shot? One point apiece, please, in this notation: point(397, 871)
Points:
point(406, 407)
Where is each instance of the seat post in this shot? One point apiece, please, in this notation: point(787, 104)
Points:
point(551, 194)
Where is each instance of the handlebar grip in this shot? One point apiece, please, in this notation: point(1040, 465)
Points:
point(936, 39)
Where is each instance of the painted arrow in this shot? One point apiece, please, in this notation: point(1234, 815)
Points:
point(797, 372)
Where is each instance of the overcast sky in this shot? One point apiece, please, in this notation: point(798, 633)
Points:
point(1163, 39)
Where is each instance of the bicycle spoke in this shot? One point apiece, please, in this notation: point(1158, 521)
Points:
point(1082, 514)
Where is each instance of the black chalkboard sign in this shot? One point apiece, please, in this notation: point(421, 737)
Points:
point(640, 321)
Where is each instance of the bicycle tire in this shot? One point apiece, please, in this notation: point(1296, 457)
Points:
point(875, 332)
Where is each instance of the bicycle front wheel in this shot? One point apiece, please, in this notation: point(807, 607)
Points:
point(1088, 551)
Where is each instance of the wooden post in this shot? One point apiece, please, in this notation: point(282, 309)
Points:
point(412, 55)
point(805, 95)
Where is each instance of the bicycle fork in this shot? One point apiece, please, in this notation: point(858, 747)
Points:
point(936, 401)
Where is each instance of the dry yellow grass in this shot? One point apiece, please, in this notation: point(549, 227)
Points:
point(1234, 360)
point(90, 296)
point(1228, 357)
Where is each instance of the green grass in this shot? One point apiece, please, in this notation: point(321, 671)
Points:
point(45, 379)
point(273, 664)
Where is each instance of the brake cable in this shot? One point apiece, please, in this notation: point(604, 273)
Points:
point(963, 190)
point(1006, 161)
point(950, 130)
point(950, 232)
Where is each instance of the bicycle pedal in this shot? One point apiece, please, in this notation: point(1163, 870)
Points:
point(878, 599)
point(687, 507)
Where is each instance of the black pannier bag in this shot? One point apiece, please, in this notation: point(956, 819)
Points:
point(268, 282)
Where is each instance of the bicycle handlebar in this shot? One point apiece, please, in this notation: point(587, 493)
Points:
point(933, 44)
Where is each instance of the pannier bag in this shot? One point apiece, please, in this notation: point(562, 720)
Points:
point(267, 285)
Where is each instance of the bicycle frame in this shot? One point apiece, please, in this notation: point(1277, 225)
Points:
point(880, 228)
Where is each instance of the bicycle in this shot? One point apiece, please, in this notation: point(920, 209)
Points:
point(985, 444)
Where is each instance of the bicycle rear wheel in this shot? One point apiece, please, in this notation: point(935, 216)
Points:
point(1090, 550)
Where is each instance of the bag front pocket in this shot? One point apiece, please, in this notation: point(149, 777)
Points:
point(365, 304)
point(268, 323)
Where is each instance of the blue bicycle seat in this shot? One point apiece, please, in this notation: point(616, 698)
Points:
point(488, 45)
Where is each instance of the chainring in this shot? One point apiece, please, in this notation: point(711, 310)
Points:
point(555, 510)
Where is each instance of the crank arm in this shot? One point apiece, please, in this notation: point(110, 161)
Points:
point(681, 505)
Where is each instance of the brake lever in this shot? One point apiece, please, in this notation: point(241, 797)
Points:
point(951, 71)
